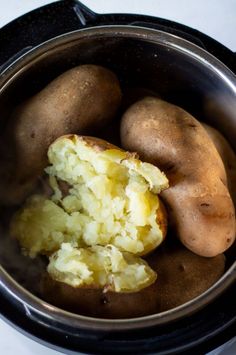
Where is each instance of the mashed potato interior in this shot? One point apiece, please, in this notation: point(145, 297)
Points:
point(112, 199)
point(103, 210)
point(105, 267)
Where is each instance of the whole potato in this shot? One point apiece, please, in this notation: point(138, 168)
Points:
point(181, 276)
point(198, 200)
point(79, 100)
point(228, 157)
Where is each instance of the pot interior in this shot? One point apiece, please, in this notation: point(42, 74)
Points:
point(172, 68)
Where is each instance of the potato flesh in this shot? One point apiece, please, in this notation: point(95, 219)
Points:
point(112, 200)
point(103, 267)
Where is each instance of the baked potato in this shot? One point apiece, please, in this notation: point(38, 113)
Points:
point(198, 200)
point(228, 157)
point(104, 267)
point(79, 100)
point(112, 198)
point(181, 276)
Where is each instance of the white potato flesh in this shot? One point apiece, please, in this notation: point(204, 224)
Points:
point(100, 266)
point(112, 199)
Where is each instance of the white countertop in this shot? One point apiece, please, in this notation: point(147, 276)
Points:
point(216, 18)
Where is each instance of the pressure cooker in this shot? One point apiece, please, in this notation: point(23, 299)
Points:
point(184, 66)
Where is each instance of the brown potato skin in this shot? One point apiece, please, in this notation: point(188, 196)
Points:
point(197, 201)
point(162, 218)
point(79, 100)
point(227, 155)
point(182, 276)
point(97, 144)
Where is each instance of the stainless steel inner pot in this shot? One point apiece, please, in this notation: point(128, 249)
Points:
point(178, 71)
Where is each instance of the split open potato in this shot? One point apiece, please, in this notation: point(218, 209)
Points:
point(102, 214)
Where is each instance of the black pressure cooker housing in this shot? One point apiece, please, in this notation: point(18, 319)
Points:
point(197, 333)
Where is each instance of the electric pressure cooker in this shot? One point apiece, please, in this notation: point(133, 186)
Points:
point(187, 68)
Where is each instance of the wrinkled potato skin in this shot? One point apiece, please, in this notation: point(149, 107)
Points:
point(182, 276)
point(80, 100)
point(198, 202)
point(227, 155)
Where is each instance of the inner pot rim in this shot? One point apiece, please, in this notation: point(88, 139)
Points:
point(32, 304)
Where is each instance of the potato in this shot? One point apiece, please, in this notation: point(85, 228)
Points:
point(181, 276)
point(95, 231)
point(94, 302)
point(80, 100)
point(197, 200)
point(112, 198)
point(98, 266)
point(228, 157)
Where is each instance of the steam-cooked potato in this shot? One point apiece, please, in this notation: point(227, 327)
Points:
point(181, 276)
point(112, 199)
point(104, 267)
point(198, 200)
point(79, 100)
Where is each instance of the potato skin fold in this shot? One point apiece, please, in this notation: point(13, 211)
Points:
point(182, 276)
point(79, 100)
point(198, 200)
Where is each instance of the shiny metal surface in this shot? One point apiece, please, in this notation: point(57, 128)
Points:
point(179, 71)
